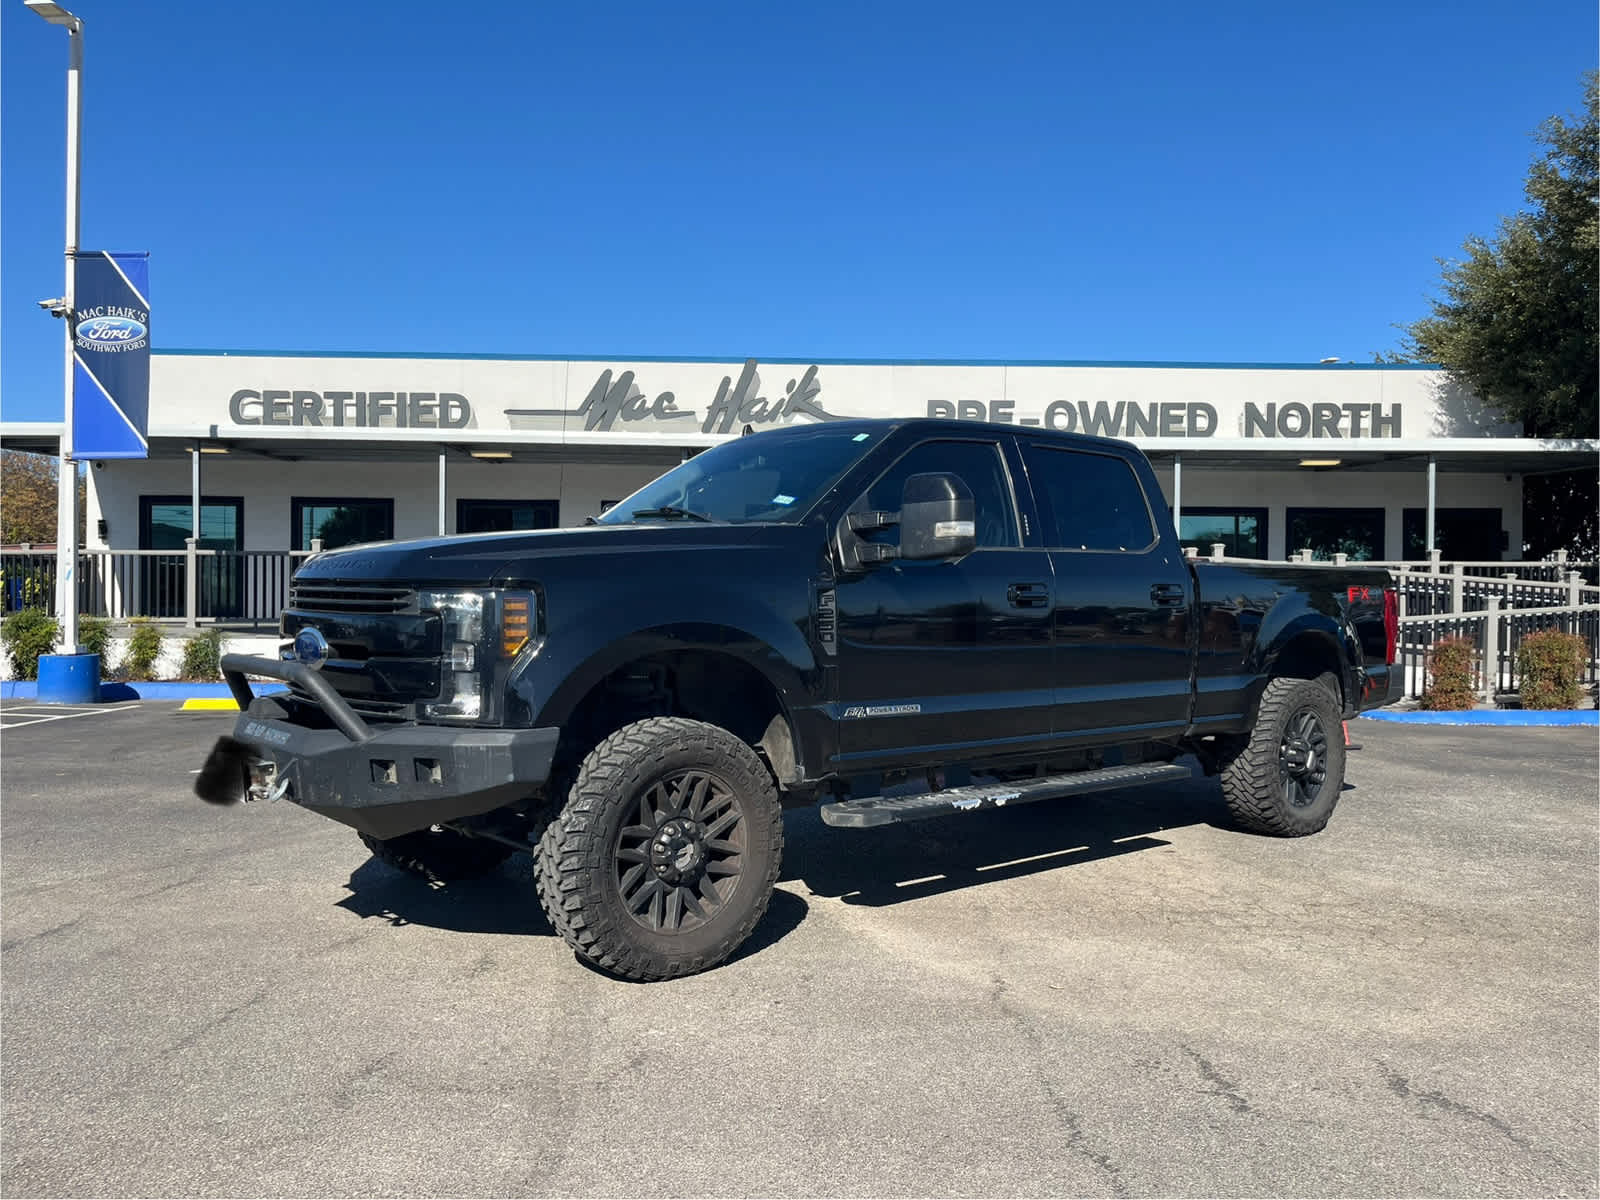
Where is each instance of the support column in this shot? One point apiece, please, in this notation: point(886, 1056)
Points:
point(1433, 484)
point(194, 490)
point(441, 493)
point(1177, 496)
point(191, 561)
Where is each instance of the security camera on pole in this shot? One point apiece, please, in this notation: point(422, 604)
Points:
point(105, 401)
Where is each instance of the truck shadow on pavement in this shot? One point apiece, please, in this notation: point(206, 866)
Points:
point(873, 867)
point(895, 863)
point(504, 902)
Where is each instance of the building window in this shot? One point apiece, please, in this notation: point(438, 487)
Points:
point(1242, 530)
point(498, 516)
point(165, 522)
point(340, 522)
point(1461, 534)
point(1356, 532)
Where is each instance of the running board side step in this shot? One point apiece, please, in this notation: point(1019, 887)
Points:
point(870, 811)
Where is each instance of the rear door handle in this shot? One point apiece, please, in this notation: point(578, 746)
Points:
point(1167, 595)
point(1028, 595)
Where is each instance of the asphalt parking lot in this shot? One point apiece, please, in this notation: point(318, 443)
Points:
point(1114, 995)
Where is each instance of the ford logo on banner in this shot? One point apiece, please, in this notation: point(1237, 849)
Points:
point(110, 355)
point(111, 329)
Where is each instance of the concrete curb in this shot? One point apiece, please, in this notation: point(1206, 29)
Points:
point(12, 689)
point(1499, 716)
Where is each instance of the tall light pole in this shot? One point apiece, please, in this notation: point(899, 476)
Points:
point(67, 475)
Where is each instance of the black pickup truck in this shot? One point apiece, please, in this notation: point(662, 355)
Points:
point(894, 619)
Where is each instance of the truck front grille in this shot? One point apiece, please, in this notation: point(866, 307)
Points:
point(335, 597)
point(372, 710)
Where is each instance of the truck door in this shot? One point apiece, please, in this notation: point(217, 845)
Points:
point(1122, 599)
point(936, 658)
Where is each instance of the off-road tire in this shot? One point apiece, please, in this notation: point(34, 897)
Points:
point(591, 869)
point(1265, 788)
point(439, 855)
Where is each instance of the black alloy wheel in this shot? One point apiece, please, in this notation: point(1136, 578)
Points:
point(679, 863)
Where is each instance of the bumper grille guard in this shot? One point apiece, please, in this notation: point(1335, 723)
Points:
point(235, 668)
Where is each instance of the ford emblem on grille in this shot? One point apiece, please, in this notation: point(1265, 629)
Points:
point(310, 647)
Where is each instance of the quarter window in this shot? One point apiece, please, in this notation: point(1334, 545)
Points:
point(1094, 500)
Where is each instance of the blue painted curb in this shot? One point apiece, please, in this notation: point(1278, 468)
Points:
point(1498, 716)
point(154, 690)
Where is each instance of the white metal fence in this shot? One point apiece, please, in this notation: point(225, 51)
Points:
point(194, 585)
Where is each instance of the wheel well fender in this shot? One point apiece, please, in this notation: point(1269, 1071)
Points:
point(723, 676)
point(1306, 648)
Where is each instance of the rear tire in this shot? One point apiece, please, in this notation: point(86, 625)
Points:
point(665, 855)
point(1286, 777)
point(439, 855)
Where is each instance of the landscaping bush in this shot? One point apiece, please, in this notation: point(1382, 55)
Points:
point(144, 649)
point(94, 635)
point(1451, 674)
point(202, 657)
point(1550, 665)
point(28, 634)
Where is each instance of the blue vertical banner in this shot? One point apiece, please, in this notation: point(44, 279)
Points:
point(111, 355)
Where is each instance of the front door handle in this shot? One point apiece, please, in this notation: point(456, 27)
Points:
point(1028, 595)
point(1167, 595)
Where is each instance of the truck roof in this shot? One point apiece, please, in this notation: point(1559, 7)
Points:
point(986, 428)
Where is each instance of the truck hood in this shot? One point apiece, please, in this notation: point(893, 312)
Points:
point(485, 559)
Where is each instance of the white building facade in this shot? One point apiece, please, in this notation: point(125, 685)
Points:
point(1378, 462)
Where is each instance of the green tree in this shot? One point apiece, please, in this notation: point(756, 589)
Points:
point(27, 498)
point(1517, 321)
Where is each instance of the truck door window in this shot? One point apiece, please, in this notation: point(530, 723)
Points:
point(1094, 499)
point(979, 466)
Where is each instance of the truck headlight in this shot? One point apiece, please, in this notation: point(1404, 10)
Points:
point(482, 633)
point(462, 616)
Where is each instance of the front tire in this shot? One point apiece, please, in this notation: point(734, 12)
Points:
point(1286, 777)
point(667, 850)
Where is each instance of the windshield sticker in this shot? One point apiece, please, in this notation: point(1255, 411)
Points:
point(861, 437)
point(782, 499)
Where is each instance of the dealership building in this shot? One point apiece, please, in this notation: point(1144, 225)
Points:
point(263, 453)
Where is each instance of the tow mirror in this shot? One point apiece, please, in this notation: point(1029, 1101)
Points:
point(938, 518)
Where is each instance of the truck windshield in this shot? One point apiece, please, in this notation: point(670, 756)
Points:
point(769, 477)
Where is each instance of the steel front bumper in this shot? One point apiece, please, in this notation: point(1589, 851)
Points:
point(385, 781)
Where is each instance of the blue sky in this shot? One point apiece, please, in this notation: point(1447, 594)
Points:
point(1239, 182)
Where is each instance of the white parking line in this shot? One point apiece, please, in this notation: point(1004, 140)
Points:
point(27, 713)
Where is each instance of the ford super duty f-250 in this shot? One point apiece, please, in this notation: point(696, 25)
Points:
point(811, 615)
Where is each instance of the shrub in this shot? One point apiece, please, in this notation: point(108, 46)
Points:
point(1551, 665)
point(1451, 673)
point(144, 649)
point(94, 635)
point(202, 657)
point(28, 634)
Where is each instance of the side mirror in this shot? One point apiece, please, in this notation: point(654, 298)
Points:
point(938, 518)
